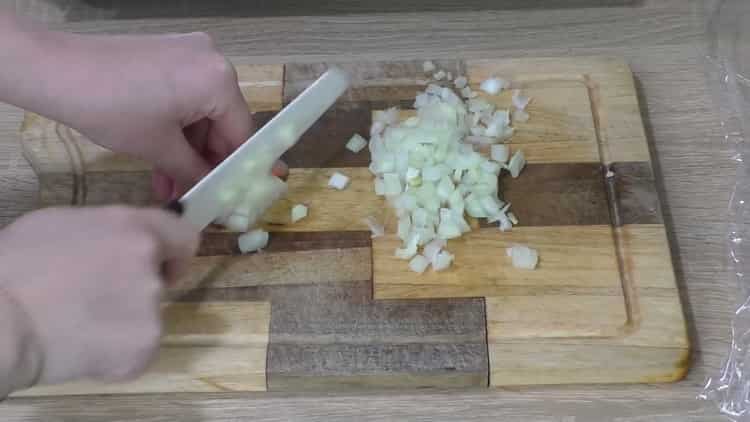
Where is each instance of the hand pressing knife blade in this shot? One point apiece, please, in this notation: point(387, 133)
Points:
point(201, 204)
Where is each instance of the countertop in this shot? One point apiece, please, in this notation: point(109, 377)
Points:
point(665, 44)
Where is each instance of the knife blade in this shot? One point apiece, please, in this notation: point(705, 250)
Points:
point(200, 205)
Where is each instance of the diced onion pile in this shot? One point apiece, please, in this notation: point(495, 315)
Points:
point(430, 173)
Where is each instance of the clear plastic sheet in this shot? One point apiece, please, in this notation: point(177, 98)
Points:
point(728, 70)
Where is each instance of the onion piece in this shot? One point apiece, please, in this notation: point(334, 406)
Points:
point(523, 257)
point(410, 249)
point(439, 75)
point(419, 264)
point(428, 66)
point(392, 184)
point(520, 101)
point(379, 187)
point(376, 228)
point(516, 164)
point(493, 86)
point(252, 241)
point(338, 181)
point(404, 228)
point(500, 153)
point(466, 92)
point(520, 116)
point(377, 128)
point(442, 261)
point(299, 212)
point(431, 250)
point(460, 82)
point(237, 223)
point(356, 143)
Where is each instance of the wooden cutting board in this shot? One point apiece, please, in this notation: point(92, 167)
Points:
point(325, 307)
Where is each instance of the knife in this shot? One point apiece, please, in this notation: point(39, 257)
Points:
point(200, 205)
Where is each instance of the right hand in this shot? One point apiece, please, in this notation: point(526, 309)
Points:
point(90, 282)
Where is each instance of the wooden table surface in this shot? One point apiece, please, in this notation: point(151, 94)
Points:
point(664, 42)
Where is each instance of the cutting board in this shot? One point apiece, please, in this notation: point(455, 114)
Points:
point(325, 307)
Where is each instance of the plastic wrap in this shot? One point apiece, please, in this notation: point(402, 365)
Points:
point(728, 70)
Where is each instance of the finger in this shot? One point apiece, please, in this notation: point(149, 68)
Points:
point(180, 161)
point(232, 125)
point(280, 170)
point(178, 239)
point(162, 186)
point(197, 135)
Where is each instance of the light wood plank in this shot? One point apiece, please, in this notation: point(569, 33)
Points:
point(261, 85)
point(653, 347)
point(573, 260)
point(611, 90)
point(207, 347)
point(277, 268)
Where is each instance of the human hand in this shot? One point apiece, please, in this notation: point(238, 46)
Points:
point(171, 100)
point(90, 281)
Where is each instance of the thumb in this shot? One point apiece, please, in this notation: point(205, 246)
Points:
point(179, 161)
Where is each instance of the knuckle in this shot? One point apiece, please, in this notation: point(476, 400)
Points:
point(222, 71)
point(204, 38)
point(146, 244)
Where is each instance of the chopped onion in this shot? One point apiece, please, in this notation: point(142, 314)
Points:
point(505, 223)
point(428, 66)
point(253, 241)
point(493, 85)
point(490, 167)
point(466, 92)
point(392, 184)
point(389, 117)
point(429, 171)
point(523, 257)
point(419, 264)
point(520, 101)
point(440, 74)
point(431, 249)
point(376, 228)
point(516, 164)
point(410, 249)
point(379, 187)
point(299, 212)
point(356, 143)
point(377, 128)
point(338, 181)
point(442, 261)
point(404, 228)
point(412, 174)
point(238, 223)
point(500, 153)
point(520, 116)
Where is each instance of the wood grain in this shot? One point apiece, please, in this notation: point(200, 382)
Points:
point(664, 45)
point(573, 260)
point(334, 336)
point(656, 328)
point(207, 347)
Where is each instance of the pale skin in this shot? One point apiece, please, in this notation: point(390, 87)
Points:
point(80, 288)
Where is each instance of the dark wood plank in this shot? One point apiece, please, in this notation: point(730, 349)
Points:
point(324, 144)
point(558, 195)
point(371, 81)
point(335, 336)
point(635, 199)
point(217, 243)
